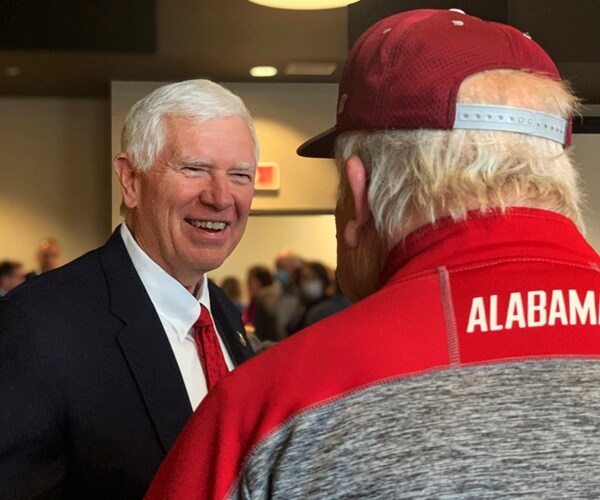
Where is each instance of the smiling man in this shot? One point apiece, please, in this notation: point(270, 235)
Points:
point(103, 360)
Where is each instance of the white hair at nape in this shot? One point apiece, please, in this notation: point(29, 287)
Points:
point(420, 176)
point(143, 135)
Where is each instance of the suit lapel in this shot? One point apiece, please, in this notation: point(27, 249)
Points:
point(145, 344)
point(229, 326)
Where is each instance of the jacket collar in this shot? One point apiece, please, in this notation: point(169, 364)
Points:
point(145, 345)
point(490, 235)
point(233, 333)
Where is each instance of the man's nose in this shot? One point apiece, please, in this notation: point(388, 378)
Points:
point(217, 193)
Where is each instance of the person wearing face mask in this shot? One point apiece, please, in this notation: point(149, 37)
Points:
point(260, 315)
point(335, 302)
point(287, 266)
point(314, 282)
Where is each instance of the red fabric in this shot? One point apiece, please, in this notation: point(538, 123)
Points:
point(414, 325)
point(404, 72)
point(209, 350)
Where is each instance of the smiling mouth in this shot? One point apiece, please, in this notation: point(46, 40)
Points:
point(207, 225)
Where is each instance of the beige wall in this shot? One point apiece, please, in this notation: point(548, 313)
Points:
point(587, 157)
point(285, 115)
point(54, 175)
point(311, 236)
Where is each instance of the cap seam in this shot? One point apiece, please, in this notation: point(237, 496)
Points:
point(390, 62)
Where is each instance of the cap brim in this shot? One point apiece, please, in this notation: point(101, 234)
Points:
point(320, 146)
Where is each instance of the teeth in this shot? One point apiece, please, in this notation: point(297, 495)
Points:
point(218, 226)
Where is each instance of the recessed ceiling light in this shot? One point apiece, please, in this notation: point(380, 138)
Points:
point(304, 4)
point(263, 71)
point(12, 71)
point(310, 68)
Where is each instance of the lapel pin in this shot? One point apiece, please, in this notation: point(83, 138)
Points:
point(242, 339)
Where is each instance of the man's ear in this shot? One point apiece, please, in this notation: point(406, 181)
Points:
point(128, 178)
point(357, 181)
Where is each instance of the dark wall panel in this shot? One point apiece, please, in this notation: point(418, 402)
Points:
point(567, 29)
point(363, 14)
point(81, 25)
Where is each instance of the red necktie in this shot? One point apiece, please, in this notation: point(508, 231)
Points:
point(209, 349)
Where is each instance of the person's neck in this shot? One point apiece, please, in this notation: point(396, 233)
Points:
point(192, 282)
point(417, 220)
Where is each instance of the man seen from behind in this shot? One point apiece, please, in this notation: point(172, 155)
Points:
point(469, 365)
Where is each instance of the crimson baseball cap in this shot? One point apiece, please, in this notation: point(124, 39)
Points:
point(404, 72)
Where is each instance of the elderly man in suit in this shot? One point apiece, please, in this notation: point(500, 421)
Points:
point(102, 361)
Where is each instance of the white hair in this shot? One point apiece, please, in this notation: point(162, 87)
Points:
point(422, 175)
point(143, 135)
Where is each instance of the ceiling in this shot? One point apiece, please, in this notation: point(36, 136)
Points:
point(216, 39)
point(76, 47)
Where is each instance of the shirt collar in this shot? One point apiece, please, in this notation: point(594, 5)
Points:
point(174, 304)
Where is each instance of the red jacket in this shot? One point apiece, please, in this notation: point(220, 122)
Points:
point(495, 288)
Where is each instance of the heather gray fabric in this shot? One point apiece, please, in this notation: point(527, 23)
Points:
point(526, 430)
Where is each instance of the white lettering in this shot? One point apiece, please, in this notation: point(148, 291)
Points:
point(477, 316)
point(558, 309)
point(494, 326)
point(516, 311)
point(580, 311)
point(538, 309)
point(536, 303)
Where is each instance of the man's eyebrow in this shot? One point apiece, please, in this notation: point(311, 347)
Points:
point(189, 160)
point(245, 165)
point(178, 160)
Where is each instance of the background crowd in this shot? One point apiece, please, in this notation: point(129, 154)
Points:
point(12, 272)
point(274, 302)
point(282, 300)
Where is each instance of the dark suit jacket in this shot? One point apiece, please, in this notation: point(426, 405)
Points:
point(91, 397)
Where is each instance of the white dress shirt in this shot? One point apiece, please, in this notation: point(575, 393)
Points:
point(178, 310)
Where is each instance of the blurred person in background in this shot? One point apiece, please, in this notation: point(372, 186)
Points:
point(48, 255)
point(11, 276)
point(232, 287)
point(287, 266)
point(261, 312)
point(315, 304)
point(469, 364)
point(335, 302)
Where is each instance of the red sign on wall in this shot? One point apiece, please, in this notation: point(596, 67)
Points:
point(267, 177)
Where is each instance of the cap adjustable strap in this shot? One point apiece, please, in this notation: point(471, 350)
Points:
point(510, 119)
